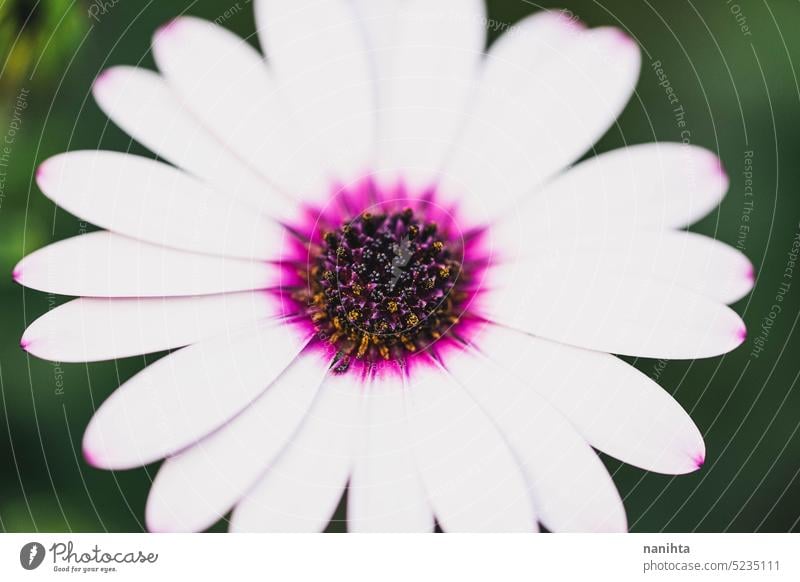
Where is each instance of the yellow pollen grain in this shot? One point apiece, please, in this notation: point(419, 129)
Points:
point(362, 348)
point(393, 307)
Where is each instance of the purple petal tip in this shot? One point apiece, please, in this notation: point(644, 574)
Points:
point(569, 20)
point(718, 168)
point(699, 461)
point(166, 30)
point(622, 38)
point(742, 334)
point(41, 174)
point(90, 458)
point(23, 343)
point(17, 275)
point(102, 78)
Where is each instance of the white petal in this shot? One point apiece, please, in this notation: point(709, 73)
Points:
point(425, 88)
point(616, 408)
point(583, 305)
point(571, 488)
point(521, 52)
point(301, 490)
point(142, 104)
point(103, 264)
point(474, 483)
point(650, 186)
point(153, 202)
point(522, 133)
point(186, 395)
point(318, 53)
point(385, 493)
point(379, 20)
point(95, 329)
point(196, 487)
point(227, 85)
point(689, 260)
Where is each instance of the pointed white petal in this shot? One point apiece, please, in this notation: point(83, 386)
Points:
point(649, 186)
point(188, 394)
point(227, 85)
point(689, 260)
point(103, 264)
point(141, 103)
point(524, 131)
point(196, 487)
point(616, 408)
point(153, 202)
point(95, 329)
point(583, 305)
point(318, 53)
point(474, 483)
point(571, 489)
point(300, 491)
point(427, 83)
point(385, 493)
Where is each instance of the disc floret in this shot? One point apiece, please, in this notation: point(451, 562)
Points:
point(383, 286)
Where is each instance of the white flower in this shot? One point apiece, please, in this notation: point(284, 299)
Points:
point(385, 272)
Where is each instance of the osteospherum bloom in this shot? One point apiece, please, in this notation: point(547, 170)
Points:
point(383, 271)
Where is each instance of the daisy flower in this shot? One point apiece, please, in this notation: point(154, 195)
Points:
point(384, 270)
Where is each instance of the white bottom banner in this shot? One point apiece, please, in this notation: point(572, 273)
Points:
point(390, 557)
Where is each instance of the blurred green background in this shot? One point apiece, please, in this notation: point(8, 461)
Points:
point(731, 64)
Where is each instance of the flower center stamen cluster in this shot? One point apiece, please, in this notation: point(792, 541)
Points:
point(383, 286)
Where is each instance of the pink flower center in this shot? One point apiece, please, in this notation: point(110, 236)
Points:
point(384, 276)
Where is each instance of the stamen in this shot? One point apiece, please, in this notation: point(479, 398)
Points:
point(385, 285)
